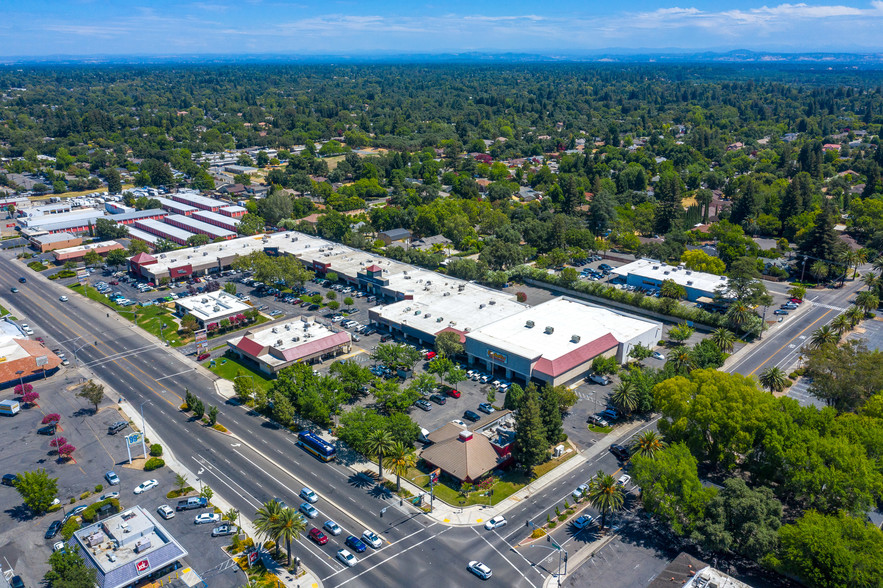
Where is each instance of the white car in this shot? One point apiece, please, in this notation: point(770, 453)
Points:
point(624, 480)
point(145, 486)
point(346, 557)
point(479, 569)
point(657, 355)
point(580, 491)
point(63, 298)
point(206, 517)
point(460, 423)
point(582, 522)
point(495, 523)
point(109, 495)
point(371, 538)
point(165, 511)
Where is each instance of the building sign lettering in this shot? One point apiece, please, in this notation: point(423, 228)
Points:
point(496, 356)
point(142, 566)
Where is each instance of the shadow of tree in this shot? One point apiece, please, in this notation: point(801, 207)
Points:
point(361, 480)
point(20, 513)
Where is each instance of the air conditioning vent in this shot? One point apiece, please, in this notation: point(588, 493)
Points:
point(549, 330)
point(530, 324)
point(574, 338)
point(689, 282)
point(481, 306)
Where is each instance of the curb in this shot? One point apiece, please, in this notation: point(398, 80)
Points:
point(579, 558)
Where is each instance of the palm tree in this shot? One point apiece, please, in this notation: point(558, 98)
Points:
point(841, 324)
point(671, 289)
point(379, 443)
point(648, 444)
point(871, 280)
point(855, 315)
point(867, 301)
point(625, 396)
point(797, 292)
point(289, 526)
point(723, 339)
point(682, 361)
point(773, 379)
point(401, 459)
point(823, 336)
point(267, 519)
point(819, 270)
point(605, 495)
point(739, 315)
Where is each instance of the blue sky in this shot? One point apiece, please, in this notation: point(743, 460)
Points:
point(565, 27)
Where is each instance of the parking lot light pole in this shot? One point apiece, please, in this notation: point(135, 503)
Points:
point(21, 381)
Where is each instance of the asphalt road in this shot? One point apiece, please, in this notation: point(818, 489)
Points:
point(781, 347)
point(150, 376)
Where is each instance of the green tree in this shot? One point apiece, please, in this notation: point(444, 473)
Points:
point(198, 409)
point(93, 393)
point(390, 398)
point(189, 323)
point(37, 490)
point(670, 487)
point(605, 495)
point(283, 410)
point(68, 569)
point(867, 301)
point(741, 520)
point(448, 344)
point(108, 229)
point(92, 258)
point(625, 396)
point(250, 224)
point(819, 270)
point(197, 240)
point(640, 352)
point(745, 285)
point(266, 521)
point(550, 413)
point(379, 443)
point(700, 261)
point(648, 444)
point(680, 333)
point(114, 182)
point(724, 339)
point(773, 379)
point(514, 396)
point(230, 288)
point(212, 415)
point(822, 336)
point(348, 301)
point(400, 460)
point(671, 289)
point(829, 551)
point(181, 482)
point(797, 292)
point(116, 258)
point(289, 526)
point(531, 446)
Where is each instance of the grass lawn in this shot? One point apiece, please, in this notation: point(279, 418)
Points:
point(4, 312)
point(230, 368)
point(149, 317)
point(259, 320)
point(597, 429)
point(507, 484)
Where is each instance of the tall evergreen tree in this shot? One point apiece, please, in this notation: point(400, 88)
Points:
point(530, 447)
point(822, 241)
point(550, 413)
point(668, 195)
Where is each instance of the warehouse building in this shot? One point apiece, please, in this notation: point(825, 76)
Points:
point(556, 341)
point(78, 252)
point(128, 549)
point(300, 340)
point(176, 207)
point(201, 202)
point(644, 273)
point(129, 218)
point(211, 307)
point(164, 230)
point(216, 219)
point(190, 223)
point(233, 211)
point(134, 233)
point(51, 241)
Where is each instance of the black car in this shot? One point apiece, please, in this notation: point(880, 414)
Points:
point(385, 338)
point(438, 399)
point(313, 307)
point(53, 530)
point(47, 430)
point(17, 582)
point(620, 451)
point(471, 416)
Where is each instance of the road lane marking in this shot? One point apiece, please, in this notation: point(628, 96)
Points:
point(514, 567)
point(789, 341)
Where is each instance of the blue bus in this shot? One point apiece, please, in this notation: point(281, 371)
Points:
point(316, 445)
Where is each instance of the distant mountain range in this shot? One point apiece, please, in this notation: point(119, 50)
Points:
point(617, 55)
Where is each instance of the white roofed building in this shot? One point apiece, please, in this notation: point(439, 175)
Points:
point(648, 272)
point(211, 307)
point(301, 340)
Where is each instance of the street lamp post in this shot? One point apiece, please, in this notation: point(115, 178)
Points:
point(557, 548)
point(21, 381)
point(143, 430)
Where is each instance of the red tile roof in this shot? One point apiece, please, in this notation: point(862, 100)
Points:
point(568, 361)
point(143, 258)
point(251, 347)
point(28, 365)
point(316, 346)
point(372, 268)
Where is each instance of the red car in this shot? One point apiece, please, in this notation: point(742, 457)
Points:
point(203, 356)
point(430, 354)
point(453, 393)
point(114, 283)
point(318, 536)
point(796, 300)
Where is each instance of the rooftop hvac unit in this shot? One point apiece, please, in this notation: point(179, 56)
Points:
point(656, 267)
point(274, 330)
point(574, 338)
point(481, 306)
point(416, 312)
point(689, 282)
point(529, 324)
point(689, 272)
point(216, 309)
point(439, 319)
point(288, 327)
point(278, 342)
point(723, 277)
point(666, 273)
point(492, 302)
point(407, 277)
point(468, 329)
point(204, 253)
point(446, 294)
point(295, 339)
point(549, 330)
point(428, 283)
point(427, 315)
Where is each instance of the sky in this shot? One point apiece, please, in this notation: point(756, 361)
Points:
point(365, 27)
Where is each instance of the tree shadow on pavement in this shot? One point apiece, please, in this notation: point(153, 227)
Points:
point(20, 513)
point(360, 481)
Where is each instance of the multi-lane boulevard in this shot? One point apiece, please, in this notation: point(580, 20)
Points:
point(259, 461)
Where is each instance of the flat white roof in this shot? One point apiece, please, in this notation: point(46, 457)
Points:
point(198, 200)
point(142, 235)
point(61, 218)
point(163, 227)
point(303, 329)
point(199, 226)
point(221, 218)
point(212, 305)
point(656, 270)
point(566, 317)
point(88, 247)
point(176, 206)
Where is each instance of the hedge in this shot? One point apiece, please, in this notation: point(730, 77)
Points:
point(154, 463)
point(155, 450)
point(90, 513)
point(70, 527)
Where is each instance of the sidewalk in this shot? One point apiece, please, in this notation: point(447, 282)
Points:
point(750, 347)
point(451, 515)
point(308, 579)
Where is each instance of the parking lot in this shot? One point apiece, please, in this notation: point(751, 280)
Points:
point(22, 542)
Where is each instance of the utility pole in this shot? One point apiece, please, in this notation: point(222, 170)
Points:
point(557, 548)
point(143, 430)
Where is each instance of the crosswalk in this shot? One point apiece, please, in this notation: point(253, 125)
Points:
point(829, 307)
